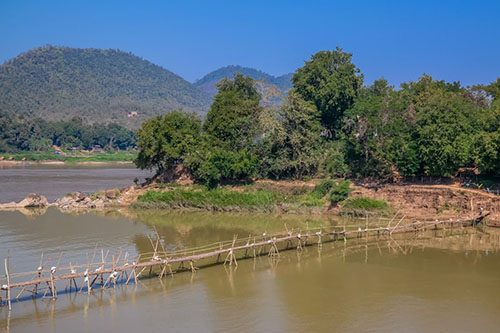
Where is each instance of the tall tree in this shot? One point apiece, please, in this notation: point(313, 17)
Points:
point(332, 82)
point(291, 144)
point(378, 131)
point(231, 121)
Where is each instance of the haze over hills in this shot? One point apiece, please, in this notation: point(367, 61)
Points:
point(272, 88)
point(95, 84)
point(104, 85)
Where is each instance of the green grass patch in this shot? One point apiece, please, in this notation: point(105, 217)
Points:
point(364, 203)
point(200, 197)
point(205, 198)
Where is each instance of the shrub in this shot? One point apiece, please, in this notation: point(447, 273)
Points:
point(211, 166)
point(322, 188)
point(340, 191)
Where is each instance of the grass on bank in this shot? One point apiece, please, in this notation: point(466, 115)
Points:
point(224, 199)
point(117, 156)
point(362, 205)
point(204, 198)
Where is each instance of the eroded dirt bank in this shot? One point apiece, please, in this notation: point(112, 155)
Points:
point(434, 201)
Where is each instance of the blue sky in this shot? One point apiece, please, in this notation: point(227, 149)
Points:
point(398, 40)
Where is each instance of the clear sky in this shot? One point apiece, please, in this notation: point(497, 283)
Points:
point(399, 40)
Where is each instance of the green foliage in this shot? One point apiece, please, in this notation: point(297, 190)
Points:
point(99, 86)
point(165, 141)
point(333, 161)
point(226, 152)
point(378, 131)
point(340, 191)
point(213, 165)
point(445, 127)
point(26, 134)
point(323, 187)
point(427, 128)
point(291, 141)
point(364, 203)
point(332, 82)
point(231, 121)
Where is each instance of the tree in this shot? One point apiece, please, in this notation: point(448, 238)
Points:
point(213, 165)
point(227, 152)
point(378, 133)
point(332, 82)
point(166, 141)
point(446, 124)
point(291, 144)
point(231, 119)
point(487, 142)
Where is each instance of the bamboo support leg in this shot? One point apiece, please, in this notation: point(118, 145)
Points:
point(193, 268)
point(299, 243)
point(230, 258)
point(53, 286)
point(8, 283)
point(20, 293)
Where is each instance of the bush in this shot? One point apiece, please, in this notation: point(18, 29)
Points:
point(322, 188)
point(340, 191)
point(211, 166)
point(165, 141)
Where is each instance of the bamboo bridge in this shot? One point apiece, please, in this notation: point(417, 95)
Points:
point(44, 282)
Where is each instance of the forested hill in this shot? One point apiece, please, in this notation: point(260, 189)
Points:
point(272, 88)
point(57, 83)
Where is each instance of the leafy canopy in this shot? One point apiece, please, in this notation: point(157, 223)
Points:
point(165, 141)
point(332, 82)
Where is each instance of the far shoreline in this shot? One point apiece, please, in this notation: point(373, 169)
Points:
point(14, 163)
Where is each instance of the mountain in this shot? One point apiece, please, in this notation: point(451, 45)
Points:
point(273, 89)
point(98, 85)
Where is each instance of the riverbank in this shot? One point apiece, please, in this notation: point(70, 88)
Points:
point(423, 202)
point(418, 202)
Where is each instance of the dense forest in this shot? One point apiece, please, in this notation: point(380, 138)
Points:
point(97, 85)
point(331, 125)
point(38, 135)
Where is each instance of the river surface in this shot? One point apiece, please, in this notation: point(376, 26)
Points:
point(54, 181)
point(444, 282)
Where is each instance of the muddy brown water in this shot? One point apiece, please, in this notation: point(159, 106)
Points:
point(54, 181)
point(447, 282)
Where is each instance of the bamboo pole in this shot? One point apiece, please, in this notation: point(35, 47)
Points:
point(8, 282)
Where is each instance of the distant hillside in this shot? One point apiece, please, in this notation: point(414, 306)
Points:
point(94, 84)
point(273, 89)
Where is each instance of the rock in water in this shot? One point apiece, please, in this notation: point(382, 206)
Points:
point(34, 200)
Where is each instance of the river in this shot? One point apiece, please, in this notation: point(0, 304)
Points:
point(54, 181)
point(441, 284)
